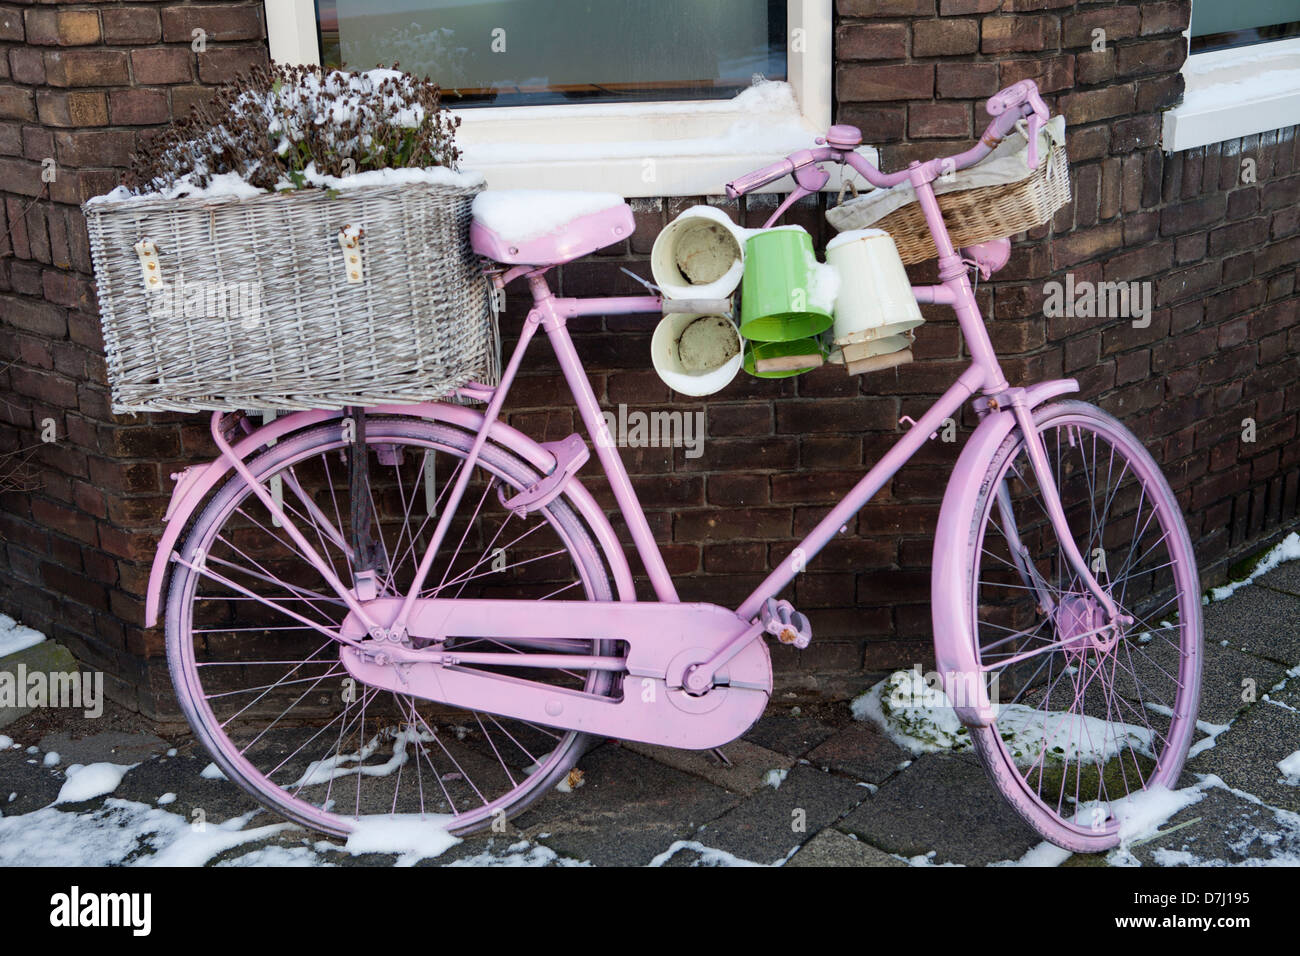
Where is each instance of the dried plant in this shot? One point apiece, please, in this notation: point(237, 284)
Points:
point(276, 125)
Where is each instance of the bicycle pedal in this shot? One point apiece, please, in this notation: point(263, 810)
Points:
point(787, 625)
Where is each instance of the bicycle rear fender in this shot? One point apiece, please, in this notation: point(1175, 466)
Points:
point(196, 482)
point(950, 594)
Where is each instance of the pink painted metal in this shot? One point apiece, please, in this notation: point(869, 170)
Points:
point(572, 240)
point(664, 640)
point(696, 675)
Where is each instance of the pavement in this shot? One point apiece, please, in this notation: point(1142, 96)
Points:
point(806, 786)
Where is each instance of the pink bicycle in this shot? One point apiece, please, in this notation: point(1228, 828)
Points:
point(349, 638)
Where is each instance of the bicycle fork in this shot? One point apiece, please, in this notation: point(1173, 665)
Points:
point(1051, 499)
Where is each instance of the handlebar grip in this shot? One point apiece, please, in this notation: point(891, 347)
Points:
point(1017, 95)
point(759, 178)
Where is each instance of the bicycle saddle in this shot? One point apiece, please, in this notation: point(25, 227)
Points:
point(546, 227)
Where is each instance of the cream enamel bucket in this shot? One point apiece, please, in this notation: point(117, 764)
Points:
point(875, 302)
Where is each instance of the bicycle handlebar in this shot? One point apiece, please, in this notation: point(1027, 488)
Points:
point(1006, 107)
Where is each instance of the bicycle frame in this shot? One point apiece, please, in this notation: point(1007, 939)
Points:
point(731, 640)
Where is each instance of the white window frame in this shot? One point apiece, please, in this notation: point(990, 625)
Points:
point(584, 146)
point(1221, 100)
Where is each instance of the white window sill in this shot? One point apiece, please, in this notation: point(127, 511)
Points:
point(636, 150)
point(1235, 93)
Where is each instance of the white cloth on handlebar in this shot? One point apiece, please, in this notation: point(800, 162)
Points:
point(1008, 163)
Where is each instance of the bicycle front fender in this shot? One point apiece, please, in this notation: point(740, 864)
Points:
point(950, 594)
point(195, 484)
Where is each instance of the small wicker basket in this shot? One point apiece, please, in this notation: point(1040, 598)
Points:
point(303, 299)
point(979, 214)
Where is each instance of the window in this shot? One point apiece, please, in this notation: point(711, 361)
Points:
point(1242, 73)
point(639, 97)
point(1218, 25)
point(526, 53)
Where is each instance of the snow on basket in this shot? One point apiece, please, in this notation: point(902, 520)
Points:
point(315, 298)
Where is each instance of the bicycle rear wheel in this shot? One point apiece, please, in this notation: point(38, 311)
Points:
point(258, 674)
point(1088, 717)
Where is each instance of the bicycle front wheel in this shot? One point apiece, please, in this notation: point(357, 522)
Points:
point(251, 626)
point(1089, 716)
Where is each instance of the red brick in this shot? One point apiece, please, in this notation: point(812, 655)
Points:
point(130, 25)
point(1152, 56)
point(1012, 34)
point(938, 120)
point(17, 103)
point(885, 8)
point(1119, 23)
point(86, 68)
point(138, 107)
point(162, 65)
point(221, 22)
point(1166, 17)
point(78, 108)
point(225, 64)
point(871, 41)
point(48, 27)
point(870, 83)
point(966, 80)
point(945, 37)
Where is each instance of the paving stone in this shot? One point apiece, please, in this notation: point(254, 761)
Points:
point(1284, 577)
point(1225, 672)
point(1246, 755)
point(629, 809)
point(794, 736)
point(763, 827)
point(1259, 621)
point(1223, 827)
point(750, 763)
point(33, 784)
point(112, 746)
point(47, 657)
point(943, 803)
point(182, 776)
point(832, 847)
point(862, 751)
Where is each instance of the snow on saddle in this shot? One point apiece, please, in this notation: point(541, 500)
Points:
point(539, 227)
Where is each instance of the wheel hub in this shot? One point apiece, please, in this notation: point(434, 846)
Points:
point(1081, 626)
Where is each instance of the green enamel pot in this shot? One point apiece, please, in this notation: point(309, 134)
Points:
point(783, 294)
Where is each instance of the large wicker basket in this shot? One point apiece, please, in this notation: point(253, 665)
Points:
point(304, 299)
point(973, 215)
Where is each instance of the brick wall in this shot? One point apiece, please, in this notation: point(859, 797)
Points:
point(80, 82)
point(82, 85)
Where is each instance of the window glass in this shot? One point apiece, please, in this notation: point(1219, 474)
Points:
point(1219, 24)
point(527, 52)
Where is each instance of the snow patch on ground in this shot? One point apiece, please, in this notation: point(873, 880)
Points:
point(1290, 767)
point(1042, 854)
point(707, 855)
point(1288, 549)
point(15, 637)
point(410, 836)
point(91, 781)
point(519, 854)
point(920, 719)
point(120, 833)
point(774, 778)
